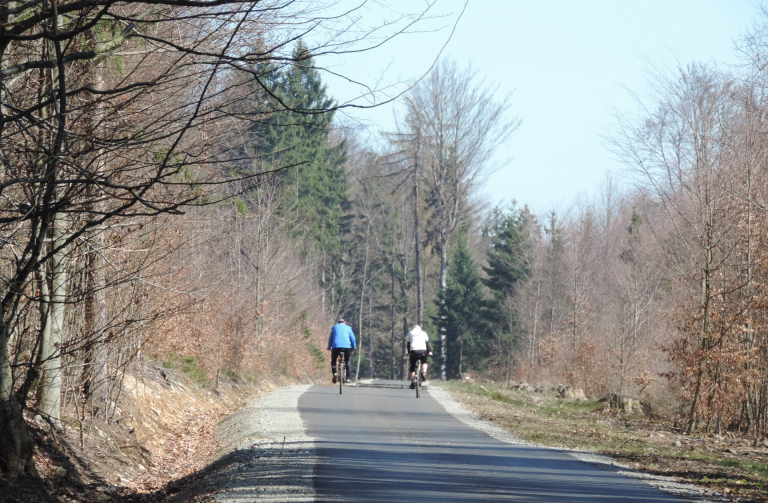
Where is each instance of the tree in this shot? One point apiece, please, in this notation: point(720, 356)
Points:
point(634, 307)
point(298, 140)
point(459, 125)
point(509, 258)
point(681, 149)
point(460, 313)
point(381, 201)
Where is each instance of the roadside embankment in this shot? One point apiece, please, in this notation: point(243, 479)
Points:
point(160, 433)
point(264, 455)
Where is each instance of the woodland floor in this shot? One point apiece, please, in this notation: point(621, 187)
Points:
point(728, 464)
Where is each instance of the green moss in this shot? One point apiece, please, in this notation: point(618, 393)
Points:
point(231, 374)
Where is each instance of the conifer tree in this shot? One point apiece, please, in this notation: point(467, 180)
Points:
point(509, 258)
point(461, 313)
point(299, 141)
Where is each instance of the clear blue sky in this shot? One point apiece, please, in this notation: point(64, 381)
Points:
point(568, 62)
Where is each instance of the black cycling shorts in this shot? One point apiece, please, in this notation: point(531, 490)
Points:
point(417, 355)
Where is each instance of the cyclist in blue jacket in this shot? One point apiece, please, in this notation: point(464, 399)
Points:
point(342, 339)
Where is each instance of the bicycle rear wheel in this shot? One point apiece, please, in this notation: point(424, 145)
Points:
point(418, 377)
point(342, 373)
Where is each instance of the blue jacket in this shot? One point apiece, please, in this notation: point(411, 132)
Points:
point(341, 337)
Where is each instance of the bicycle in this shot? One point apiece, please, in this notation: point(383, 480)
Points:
point(418, 377)
point(341, 368)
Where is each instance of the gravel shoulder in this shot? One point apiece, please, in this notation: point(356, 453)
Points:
point(265, 455)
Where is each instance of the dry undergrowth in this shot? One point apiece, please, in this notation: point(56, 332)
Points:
point(162, 433)
point(728, 464)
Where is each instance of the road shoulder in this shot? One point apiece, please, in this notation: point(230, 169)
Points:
point(689, 491)
point(265, 455)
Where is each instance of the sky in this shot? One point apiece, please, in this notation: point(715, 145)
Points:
point(569, 63)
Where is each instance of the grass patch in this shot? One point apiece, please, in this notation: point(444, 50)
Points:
point(188, 365)
point(318, 356)
point(231, 374)
point(502, 397)
point(755, 467)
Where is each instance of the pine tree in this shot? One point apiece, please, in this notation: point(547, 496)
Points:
point(461, 313)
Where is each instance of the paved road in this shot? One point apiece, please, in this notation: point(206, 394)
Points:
point(385, 445)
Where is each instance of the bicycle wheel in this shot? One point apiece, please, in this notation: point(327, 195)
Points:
point(418, 377)
point(342, 372)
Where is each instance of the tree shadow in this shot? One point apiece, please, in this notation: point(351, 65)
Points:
point(281, 470)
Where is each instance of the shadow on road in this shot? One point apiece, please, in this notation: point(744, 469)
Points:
point(265, 470)
point(385, 445)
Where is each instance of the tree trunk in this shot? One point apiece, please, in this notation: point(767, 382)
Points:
point(53, 334)
point(15, 443)
point(704, 344)
point(404, 339)
point(443, 285)
point(95, 309)
point(392, 369)
point(362, 303)
point(323, 286)
point(94, 321)
point(370, 341)
point(419, 288)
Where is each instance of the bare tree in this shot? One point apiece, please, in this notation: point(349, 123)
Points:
point(459, 125)
point(681, 149)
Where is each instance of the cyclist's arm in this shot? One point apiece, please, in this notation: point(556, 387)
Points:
point(429, 348)
point(408, 346)
point(330, 340)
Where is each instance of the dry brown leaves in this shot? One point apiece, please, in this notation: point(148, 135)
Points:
point(185, 452)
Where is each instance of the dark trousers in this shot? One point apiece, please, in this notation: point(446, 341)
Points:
point(335, 356)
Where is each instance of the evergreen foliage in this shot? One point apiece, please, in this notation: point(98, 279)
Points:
point(509, 256)
point(298, 140)
point(461, 313)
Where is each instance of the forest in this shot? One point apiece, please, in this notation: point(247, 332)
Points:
point(177, 185)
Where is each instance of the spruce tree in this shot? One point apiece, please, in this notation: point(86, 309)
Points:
point(297, 139)
point(461, 313)
point(509, 257)
point(294, 139)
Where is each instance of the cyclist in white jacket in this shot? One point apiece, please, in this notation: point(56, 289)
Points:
point(418, 349)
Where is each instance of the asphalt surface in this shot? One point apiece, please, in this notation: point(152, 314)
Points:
point(384, 444)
